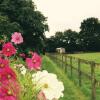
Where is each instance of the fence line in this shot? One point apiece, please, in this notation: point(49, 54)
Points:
point(63, 60)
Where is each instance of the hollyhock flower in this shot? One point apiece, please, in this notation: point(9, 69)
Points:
point(10, 74)
point(36, 56)
point(3, 63)
point(41, 96)
point(34, 62)
point(9, 98)
point(8, 49)
point(50, 86)
point(17, 38)
point(9, 90)
point(7, 73)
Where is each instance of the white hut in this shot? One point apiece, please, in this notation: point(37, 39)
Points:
point(60, 50)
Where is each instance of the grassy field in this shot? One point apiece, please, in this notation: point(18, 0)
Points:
point(86, 68)
point(86, 84)
point(88, 56)
point(71, 91)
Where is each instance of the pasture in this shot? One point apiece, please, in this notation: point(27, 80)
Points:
point(73, 75)
point(71, 92)
point(88, 56)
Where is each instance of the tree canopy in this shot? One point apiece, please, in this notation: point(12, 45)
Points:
point(88, 39)
point(22, 16)
point(90, 34)
point(66, 39)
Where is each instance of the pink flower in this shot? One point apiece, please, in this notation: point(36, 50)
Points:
point(9, 90)
point(41, 96)
point(3, 64)
point(9, 98)
point(34, 62)
point(37, 60)
point(8, 49)
point(7, 74)
point(6, 93)
point(17, 38)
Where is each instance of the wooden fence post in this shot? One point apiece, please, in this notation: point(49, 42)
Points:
point(65, 63)
point(56, 58)
point(79, 72)
point(62, 60)
point(93, 81)
point(71, 65)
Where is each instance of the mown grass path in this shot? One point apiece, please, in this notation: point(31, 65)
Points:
point(71, 91)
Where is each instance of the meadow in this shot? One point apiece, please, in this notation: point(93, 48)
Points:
point(86, 88)
point(86, 83)
point(88, 56)
point(71, 92)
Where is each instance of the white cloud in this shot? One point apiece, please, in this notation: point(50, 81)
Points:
point(64, 14)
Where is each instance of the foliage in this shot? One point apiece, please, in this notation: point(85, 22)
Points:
point(51, 44)
point(90, 34)
point(71, 40)
point(67, 39)
point(88, 39)
point(6, 28)
point(22, 16)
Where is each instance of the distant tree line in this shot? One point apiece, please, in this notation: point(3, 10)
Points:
point(88, 39)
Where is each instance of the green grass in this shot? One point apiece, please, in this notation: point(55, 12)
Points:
point(71, 92)
point(86, 83)
point(88, 56)
point(87, 69)
point(24, 81)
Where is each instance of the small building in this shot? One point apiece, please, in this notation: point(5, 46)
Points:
point(60, 50)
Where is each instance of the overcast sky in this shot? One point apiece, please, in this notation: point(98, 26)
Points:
point(65, 14)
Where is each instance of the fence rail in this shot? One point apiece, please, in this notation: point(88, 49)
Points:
point(64, 63)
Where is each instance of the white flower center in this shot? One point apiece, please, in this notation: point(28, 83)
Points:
point(45, 86)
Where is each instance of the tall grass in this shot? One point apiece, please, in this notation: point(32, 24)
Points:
point(71, 91)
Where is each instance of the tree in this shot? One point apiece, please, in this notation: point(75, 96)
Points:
point(70, 40)
point(67, 39)
point(90, 34)
point(51, 44)
point(31, 22)
point(59, 39)
point(6, 27)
